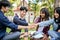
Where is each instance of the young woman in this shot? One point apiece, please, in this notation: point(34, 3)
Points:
point(55, 33)
point(44, 15)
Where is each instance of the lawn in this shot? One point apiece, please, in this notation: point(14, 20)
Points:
point(8, 30)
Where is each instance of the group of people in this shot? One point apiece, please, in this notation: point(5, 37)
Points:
point(42, 22)
point(4, 23)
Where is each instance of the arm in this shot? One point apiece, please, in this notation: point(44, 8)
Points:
point(46, 23)
point(11, 25)
point(24, 27)
point(19, 22)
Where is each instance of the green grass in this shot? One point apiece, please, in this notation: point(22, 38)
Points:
point(8, 30)
point(51, 27)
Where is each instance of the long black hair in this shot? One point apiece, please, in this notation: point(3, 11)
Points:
point(57, 10)
point(46, 11)
point(57, 20)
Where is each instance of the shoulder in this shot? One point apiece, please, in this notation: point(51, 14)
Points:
point(16, 16)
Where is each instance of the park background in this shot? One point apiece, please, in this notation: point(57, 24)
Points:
point(33, 7)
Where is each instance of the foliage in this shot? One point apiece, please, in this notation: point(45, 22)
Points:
point(50, 5)
point(10, 12)
point(45, 3)
point(35, 6)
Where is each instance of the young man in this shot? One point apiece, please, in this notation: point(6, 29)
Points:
point(21, 20)
point(4, 23)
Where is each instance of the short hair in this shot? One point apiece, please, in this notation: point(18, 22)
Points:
point(5, 4)
point(23, 8)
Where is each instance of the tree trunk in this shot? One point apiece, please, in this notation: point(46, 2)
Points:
point(57, 3)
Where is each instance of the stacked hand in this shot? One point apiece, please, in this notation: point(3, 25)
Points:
point(32, 26)
point(59, 30)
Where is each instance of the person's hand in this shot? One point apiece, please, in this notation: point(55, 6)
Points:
point(34, 24)
point(31, 26)
point(59, 30)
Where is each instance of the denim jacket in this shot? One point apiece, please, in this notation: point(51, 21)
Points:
point(49, 22)
point(4, 23)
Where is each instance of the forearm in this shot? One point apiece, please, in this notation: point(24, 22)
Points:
point(20, 22)
point(22, 27)
point(46, 23)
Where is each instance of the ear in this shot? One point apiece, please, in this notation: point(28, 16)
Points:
point(3, 7)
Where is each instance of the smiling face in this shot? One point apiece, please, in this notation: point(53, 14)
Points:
point(5, 9)
point(56, 15)
point(42, 15)
point(22, 13)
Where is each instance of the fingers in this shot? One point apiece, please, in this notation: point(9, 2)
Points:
point(59, 30)
point(32, 26)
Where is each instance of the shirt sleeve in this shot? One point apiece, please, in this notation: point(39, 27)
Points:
point(46, 23)
point(7, 23)
point(19, 22)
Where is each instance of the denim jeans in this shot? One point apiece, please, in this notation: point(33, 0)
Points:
point(11, 36)
point(54, 35)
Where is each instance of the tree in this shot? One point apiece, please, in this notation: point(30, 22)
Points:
point(34, 7)
point(57, 3)
point(10, 12)
point(50, 5)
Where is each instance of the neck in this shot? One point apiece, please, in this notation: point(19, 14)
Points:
point(43, 19)
point(21, 17)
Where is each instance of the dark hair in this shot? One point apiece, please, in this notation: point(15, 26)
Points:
point(57, 20)
point(4, 3)
point(45, 10)
point(57, 9)
point(23, 8)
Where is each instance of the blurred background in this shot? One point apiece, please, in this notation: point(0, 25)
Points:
point(33, 6)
